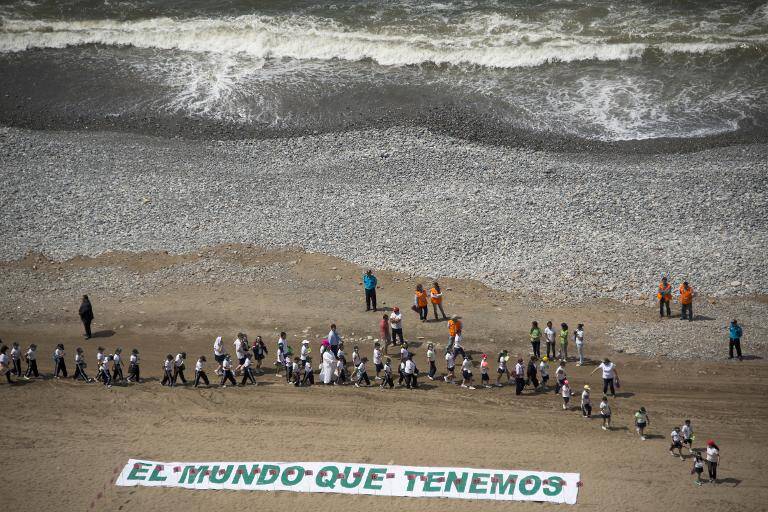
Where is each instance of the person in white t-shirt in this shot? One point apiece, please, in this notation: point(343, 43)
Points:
point(565, 392)
point(282, 347)
point(246, 368)
point(219, 352)
point(304, 351)
point(502, 369)
point(713, 459)
point(466, 372)
point(549, 335)
point(362, 374)
point(578, 338)
point(133, 366)
point(388, 381)
point(5, 364)
point(239, 349)
point(544, 372)
point(200, 372)
point(117, 365)
point(677, 443)
point(411, 373)
point(560, 376)
point(450, 364)
point(605, 413)
point(58, 359)
point(226, 372)
point(431, 356)
point(519, 376)
point(99, 363)
point(16, 359)
point(31, 357)
point(609, 375)
point(179, 365)
point(80, 366)
point(687, 433)
point(309, 373)
point(396, 326)
point(168, 365)
point(378, 365)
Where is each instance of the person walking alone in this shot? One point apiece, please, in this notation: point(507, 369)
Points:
point(665, 297)
point(686, 301)
point(436, 298)
point(713, 459)
point(609, 375)
point(734, 332)
point(369, 284)
point(86, 315)
point(420, 302)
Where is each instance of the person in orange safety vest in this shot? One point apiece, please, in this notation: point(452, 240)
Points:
point(420, 303)
point(686, 301)
point(436, 297)
point(665, 296)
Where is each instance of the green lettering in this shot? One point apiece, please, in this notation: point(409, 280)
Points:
point(137, 472)
point(219, 477)
point(536, 481)
point(458, 482)
point(412, 481)
point(478, 480)
point(431, 479)
point(155, 476)
point(269, 475)
point(326, 477)
point(292, 475)
point(499, 482)
point(356, 478)
point(373, 477)
point(554, 486)
point(243, 474)
point(190, 472)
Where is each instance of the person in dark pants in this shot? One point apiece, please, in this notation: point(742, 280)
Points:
point(31, 357)
point(686, 301)
point(519, 376)
point(734, 331)
point(200, 372)
point(533, 373)
point(86, 315)
point(713, 459)
point(665, 297)
point(369, 284)
point(5, 364)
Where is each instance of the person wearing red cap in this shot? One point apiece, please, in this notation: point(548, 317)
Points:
point(396, 325)
point(713, 459)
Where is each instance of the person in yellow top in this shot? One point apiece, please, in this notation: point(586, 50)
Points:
point(420, 303)
point(436, 298)
point(686, 301)
point(665, 296)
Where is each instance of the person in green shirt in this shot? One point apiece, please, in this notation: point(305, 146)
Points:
point(536, 339)
point(563, 342)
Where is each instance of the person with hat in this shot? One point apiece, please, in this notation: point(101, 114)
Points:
point(586, 402)
point(396, 326)
point(305, 351)
point(665, 297)
point(369, 284)
point(686, 301)
point(713, 459)
point(544, 372)
point(565, 392)
point(734, 332)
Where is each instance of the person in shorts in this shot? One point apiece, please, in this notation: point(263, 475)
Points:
point(605, 413)
point(677, 443)
point(641, 422)
point(698, 467)
point(466, 372)
point(219, 354)
point(485, 379)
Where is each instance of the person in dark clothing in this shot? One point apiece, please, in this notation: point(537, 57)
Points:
point(533, 378)
point(86, 315)
point(735, 332)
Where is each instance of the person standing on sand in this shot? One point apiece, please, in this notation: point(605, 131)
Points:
point(563, 342)
point(535, 335)
point(713, 459)
point(686, 301)
point(5, 365)
point(396, 326)
point(578, 339)
point(420, 302)
point(454, 329)
point(734, 332)
point(86, 315)
point(549, 333)
point(665, 297)
point(369, 284)
point(384, 332)
point(609, 375)
point(334, 339)
point(436, 298)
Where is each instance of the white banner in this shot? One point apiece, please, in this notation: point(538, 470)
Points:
point(346, 478)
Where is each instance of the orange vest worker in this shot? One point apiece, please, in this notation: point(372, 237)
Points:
point(665, 292)
point(421, 299)
point(454, 327)
point(435, 300)
point(686, 295)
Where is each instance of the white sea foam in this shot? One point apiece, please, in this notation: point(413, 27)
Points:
point(499, 45)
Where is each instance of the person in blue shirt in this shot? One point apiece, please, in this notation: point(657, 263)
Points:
point(369, 283)
point(734, 331)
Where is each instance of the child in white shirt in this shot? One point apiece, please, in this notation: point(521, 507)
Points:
point(31, 357)
point(605, 413)
point(677, 443)
point(466, 372)
point(544, 372)
point(309, 373)
point(560, 376)
point(226, 372)
point(179, 366)
point(100, 364)
point(484, 377)
point(106, 377)
point(168, 371)
point(80, 366)
point(245, 367)
point(117, 365)
point(586, 402)
point(687, 434)
point(450, 364)
point(362, 375)
point(388, 381)
point(410, 371)
point(16, 359)
point(341, 372)
point(565, 392)
point(133, 366)
point(282, 345)
point(377, 362)
point(200, 372)
point(502, 369)
point(5, 364)
point(431, 359)
point(218, 354)
point(58, 359)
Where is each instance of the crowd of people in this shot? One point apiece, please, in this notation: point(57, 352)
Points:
point(335, 366)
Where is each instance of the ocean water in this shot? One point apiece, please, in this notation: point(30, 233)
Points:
point(596, 70)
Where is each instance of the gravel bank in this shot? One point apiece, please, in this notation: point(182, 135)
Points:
point(564, 226)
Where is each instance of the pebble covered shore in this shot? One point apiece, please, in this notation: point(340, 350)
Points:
point(559, 226)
